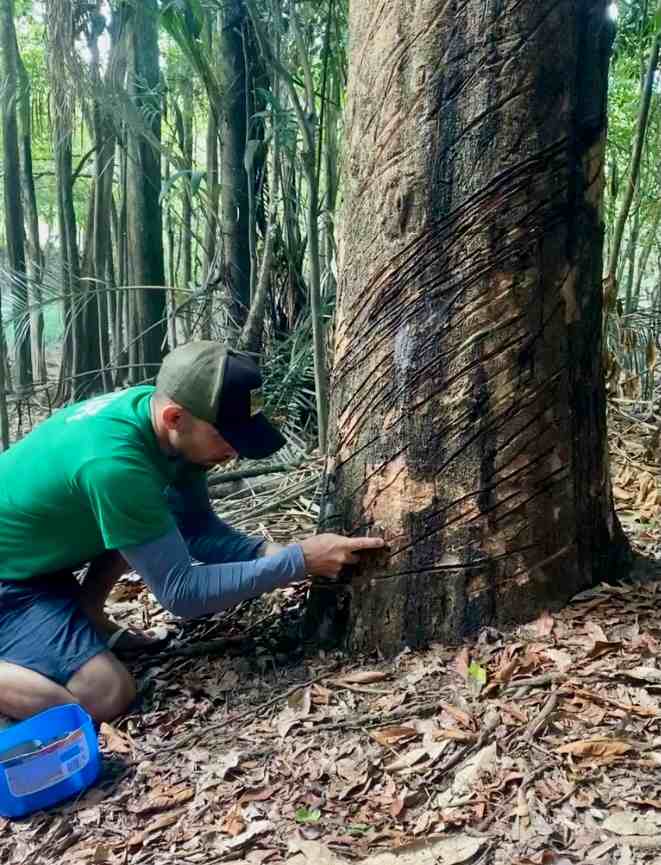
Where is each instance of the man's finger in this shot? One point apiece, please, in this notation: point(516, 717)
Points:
point(365, 543)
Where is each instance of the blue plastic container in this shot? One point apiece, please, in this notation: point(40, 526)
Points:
point(46, 759)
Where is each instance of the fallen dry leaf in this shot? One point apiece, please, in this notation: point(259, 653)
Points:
point(259, 827)
point(452, 850)
point(321, 696)
point(651, 675)
point(462, 717)
point(461, 663)
point(602, 748)
point(304, 852)
point(301, 701)
point(227, 763)
point(429, 754)
point(600, 648)
point(596, 631)
point(114, 740)
point(162, 822)
point(363, 677)
point(162, 801)
point(632, 823)
point(259, 794)
point(388, 736)
point(234, 823)
point(543, 626)
point(561, 658)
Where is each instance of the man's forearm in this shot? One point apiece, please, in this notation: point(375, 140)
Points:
point(269, 549)
point(196, 590)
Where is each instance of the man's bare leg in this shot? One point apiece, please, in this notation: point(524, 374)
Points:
point(103, 686)
point(101, 576)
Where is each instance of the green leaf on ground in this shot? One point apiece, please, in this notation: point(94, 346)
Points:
point(305, 815)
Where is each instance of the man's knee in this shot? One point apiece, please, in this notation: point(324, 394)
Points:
point(104, 687)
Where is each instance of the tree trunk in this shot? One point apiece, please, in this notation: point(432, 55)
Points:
point(187, 204)
point(34, 254)
point(211, 220)
point(99, 240)
point(641, 130)
point(61, 39)
point(14, 227)
point(234, 187)
point(144, 228)
point(468, 408)
point(644, 257)
point(4, 418)
point(253, 330)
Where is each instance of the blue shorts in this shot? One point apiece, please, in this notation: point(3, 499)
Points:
point(43, 628)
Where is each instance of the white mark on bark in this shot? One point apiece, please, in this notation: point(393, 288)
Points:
point(403, 349)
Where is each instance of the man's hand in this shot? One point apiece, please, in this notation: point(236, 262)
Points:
point(326, 555)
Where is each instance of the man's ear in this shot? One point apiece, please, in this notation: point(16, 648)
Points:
point(172, 416)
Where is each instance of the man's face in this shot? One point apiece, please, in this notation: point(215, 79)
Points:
point(199, 442)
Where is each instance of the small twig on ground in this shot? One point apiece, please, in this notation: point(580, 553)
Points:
point(522, 686)
point(200, 735)
point(642, 842)
point(230, 477)
point(537, 724)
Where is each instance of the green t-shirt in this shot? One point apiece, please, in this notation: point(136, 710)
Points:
point(90, 478)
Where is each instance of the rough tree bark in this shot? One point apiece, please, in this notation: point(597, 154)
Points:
point(468, 408)
point(234, 187)
point(35, 257)
point(61, 36)
point(144, 216)
point(14, 227)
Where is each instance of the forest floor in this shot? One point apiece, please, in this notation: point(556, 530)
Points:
point(541, 745)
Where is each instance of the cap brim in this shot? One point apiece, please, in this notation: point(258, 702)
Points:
point(255, 439)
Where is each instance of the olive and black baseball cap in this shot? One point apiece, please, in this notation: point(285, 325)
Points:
point(219, 385)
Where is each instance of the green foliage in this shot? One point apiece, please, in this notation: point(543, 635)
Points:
point(305, 815)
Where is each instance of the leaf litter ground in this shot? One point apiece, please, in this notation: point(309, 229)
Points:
point(542, 745)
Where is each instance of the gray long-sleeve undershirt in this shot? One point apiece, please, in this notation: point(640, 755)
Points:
point(195, 590)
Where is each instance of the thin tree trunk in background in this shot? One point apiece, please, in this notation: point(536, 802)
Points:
point(145, 224)
point(111, 252)
point(99, 239)
point(187, 204)
point(35, 256)
point(641, 129)
point(14, 226)
point(134, 355)
point(307, 121)
point(211, 216)
point(171, 259)
point(631, 260)
point(4, 419)
point(468, 408)
point(295, 301)
point(306, 117)
point(211, 219)
point(331, 155)
point(252, 333)
point(645, 255)
point(124, 372)
point(61, 39)
point(234, 186)
point(69, 263)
